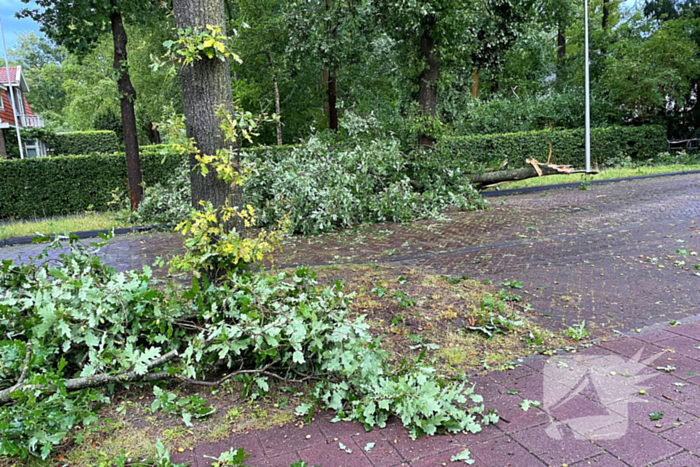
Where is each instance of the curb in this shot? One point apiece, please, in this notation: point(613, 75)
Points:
point(536, 189)
point(81, 235)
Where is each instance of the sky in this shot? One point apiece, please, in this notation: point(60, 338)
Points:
point(13, 26)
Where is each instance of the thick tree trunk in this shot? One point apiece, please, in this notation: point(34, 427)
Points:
point(127, 97)
point(206, 86)
point(490, 179)
point(561, 47)
point(427, 94)
point(475, 84)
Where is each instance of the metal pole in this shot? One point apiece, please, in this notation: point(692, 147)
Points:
point(588, 96)
point(12, 94)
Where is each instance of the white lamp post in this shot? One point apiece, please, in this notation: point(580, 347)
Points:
point(12, 96)
point(588, 95)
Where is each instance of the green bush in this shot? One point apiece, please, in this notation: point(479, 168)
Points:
point(475, 153)
point(62, 185)
point(323, 184)
point(85, 142)
point(74, 318)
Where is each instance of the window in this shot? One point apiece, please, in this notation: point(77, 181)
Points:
point(19, 108)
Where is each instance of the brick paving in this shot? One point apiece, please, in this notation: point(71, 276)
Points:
point(619, 256)
point(607, 255)
point(596, 406)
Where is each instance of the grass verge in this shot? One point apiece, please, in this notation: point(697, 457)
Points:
point(606, 174)
point(59, 225)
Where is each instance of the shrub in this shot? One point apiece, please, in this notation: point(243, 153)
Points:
point(84, 142)
point(166, 203)
point(322, 185)
point(61, 185)
point(476, 153)
point(75, 318)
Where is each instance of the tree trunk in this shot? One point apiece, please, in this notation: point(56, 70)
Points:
point(330, 78)
point(278, 110)
point(152, 133)
point(127, 97)
point(606, 14)
point(561, 47)
point(490, 179)
point(427, 96)
point(475, 84)
point(332, 103)
point(206, 86)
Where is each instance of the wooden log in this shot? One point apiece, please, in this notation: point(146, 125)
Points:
point(535, 169)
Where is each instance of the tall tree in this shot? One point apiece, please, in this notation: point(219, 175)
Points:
point(206, 87)
point(77, 25)
point(430, 32)
point(495, 27)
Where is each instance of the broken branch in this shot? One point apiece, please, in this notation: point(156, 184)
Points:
point(100, 380)
point(535, 169)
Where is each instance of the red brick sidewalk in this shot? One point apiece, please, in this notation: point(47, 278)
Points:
point(596, 406)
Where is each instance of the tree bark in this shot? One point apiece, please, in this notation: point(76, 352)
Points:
point(606, 14)
point(100, 380)
point(331, 80)
point(489, 179)
point(561, 47)
point(278, 110)
point(206, 86)
point(152, 133)
point(427, 95)
point(475, 84)
point(332, 103)
point(127, 97)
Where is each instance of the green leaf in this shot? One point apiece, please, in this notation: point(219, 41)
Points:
point(463, 456)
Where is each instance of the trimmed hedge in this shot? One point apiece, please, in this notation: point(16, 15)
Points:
point(479, 152)
point(85, 142)
point(64, 185)
point(50, 186)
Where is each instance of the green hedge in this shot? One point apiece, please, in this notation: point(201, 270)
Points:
point(50, 186)
point(85, 142)
point(478, 152)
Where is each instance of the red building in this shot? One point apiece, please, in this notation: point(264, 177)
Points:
point(13, 100)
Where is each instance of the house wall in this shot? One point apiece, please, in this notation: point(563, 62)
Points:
point(6, 111)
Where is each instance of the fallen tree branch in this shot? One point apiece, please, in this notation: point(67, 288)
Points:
point(101, 380)
point(25, 368)
point(535, 169)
